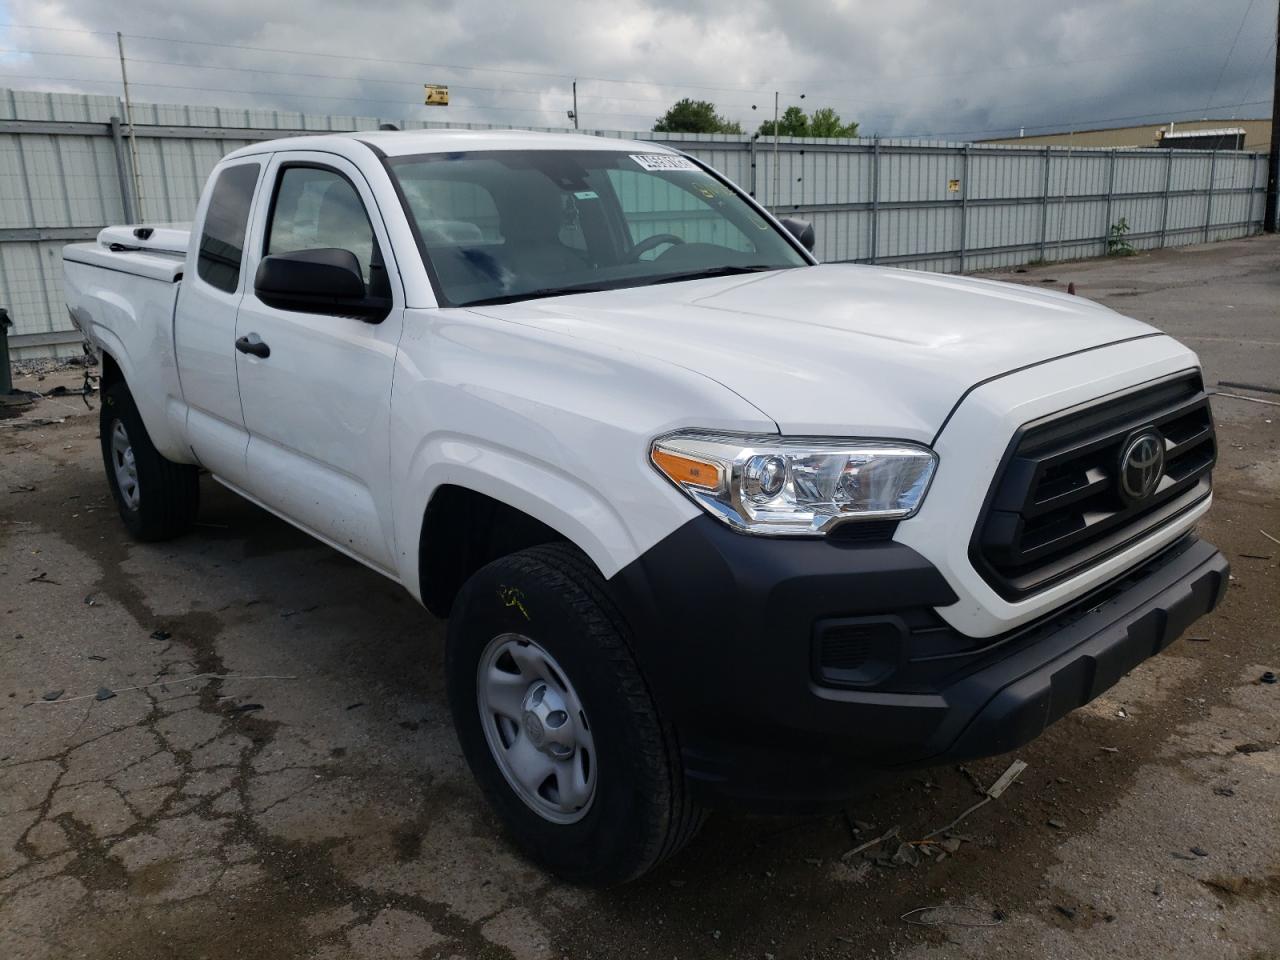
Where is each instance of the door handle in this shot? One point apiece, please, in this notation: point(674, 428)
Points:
point(253, 344)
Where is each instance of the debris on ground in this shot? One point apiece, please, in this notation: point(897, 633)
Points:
point(52, 695)
point(887, 850)
point(993, 792)
point(953, 916)
point(889, 834)
point(1057, 824)
point(43, 577)
point(30, 423)
point(160, 635)
point(1268, 677)
point(167, 682)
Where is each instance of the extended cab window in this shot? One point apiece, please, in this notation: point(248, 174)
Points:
point(316, 208)
point(225, 222)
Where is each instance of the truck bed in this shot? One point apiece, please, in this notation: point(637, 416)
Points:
point(156, 253)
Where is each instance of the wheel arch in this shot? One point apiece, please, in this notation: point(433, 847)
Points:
point(462, 531)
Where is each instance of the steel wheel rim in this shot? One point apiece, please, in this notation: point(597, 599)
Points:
point(536, 728)
point(124, 465)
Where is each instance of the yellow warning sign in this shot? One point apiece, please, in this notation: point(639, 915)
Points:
point(437, 94)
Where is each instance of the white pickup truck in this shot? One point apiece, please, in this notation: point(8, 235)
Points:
point(712, 523)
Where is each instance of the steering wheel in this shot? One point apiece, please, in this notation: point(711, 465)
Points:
point(648, 243)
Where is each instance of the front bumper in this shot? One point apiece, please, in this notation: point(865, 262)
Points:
point(726, 627)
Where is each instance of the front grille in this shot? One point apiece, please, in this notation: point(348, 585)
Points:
point(1056, 506)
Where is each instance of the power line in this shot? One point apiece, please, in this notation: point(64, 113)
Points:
point(1041, 64)
point(285, 93)
point(360, 78)
point(1230, 50)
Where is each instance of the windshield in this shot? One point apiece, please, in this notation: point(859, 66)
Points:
point(499, 226)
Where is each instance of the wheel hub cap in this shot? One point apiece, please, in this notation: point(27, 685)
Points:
point(124, 466)
point(536, 728)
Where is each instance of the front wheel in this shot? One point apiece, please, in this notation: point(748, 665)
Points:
point(557, 723)
point(157, 498)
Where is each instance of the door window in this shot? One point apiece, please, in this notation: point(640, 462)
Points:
point(225, 222)
point(316, 208)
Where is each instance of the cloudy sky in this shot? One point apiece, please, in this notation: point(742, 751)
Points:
point(906, 67)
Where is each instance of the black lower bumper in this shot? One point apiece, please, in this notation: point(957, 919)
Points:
point(727, 628)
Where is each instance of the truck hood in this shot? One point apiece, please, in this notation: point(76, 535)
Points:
point(838, 349)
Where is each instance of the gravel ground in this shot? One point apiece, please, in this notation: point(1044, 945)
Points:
point(313, 802)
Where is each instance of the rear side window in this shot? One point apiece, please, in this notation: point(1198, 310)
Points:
point(225, 223)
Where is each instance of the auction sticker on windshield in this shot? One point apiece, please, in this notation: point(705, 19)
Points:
point(663, 161)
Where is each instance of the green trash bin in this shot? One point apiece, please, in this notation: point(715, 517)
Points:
point(6, 380)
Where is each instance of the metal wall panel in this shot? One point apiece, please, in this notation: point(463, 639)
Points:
point(929, 205)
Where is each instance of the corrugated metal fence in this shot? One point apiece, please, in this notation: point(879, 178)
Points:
point(65, 172)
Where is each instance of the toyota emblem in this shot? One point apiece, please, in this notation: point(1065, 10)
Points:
point(1141, 465)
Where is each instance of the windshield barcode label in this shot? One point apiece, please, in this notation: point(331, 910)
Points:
point(663, 161)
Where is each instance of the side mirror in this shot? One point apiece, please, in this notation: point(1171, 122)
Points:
point(325, 280)
point(802, 230)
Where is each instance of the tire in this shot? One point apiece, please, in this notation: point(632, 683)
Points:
point(157, 498)
point(552, 599)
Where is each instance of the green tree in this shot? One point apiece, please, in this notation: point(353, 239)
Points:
point(792, 123)
point(825, 122)
point(694, 116)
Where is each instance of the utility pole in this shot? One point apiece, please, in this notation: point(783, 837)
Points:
point(575, 104)
point(1273, 160)
point(128, 116)
point(777, 173)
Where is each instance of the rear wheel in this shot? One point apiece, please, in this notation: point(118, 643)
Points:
point(157, 498)
point(557, 723)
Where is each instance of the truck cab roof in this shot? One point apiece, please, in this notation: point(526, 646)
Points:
point(399, 143)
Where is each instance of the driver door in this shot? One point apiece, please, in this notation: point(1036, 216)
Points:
point(317, 400)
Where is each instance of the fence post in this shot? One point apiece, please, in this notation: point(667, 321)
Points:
point(875, 200)
point(1111, 189)
point(1044, 208)
point(1208, 197)
point(1168, 187)
point(126, 181)
point(964, 204)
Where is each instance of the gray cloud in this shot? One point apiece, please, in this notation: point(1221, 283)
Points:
point(912, 67)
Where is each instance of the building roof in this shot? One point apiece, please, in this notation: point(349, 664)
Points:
point(1257, 134)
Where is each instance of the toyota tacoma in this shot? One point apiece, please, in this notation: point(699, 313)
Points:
point(711, 523)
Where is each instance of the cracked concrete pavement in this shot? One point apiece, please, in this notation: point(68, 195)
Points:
point(304, 796)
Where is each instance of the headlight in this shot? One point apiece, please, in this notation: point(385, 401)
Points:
point(778, 485)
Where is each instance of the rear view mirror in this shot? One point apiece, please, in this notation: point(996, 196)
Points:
point(325, 280)
point(802, 230)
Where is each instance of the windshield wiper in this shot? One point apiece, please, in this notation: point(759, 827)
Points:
point(725, 271)
point(620, 284)
point(540, 292)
